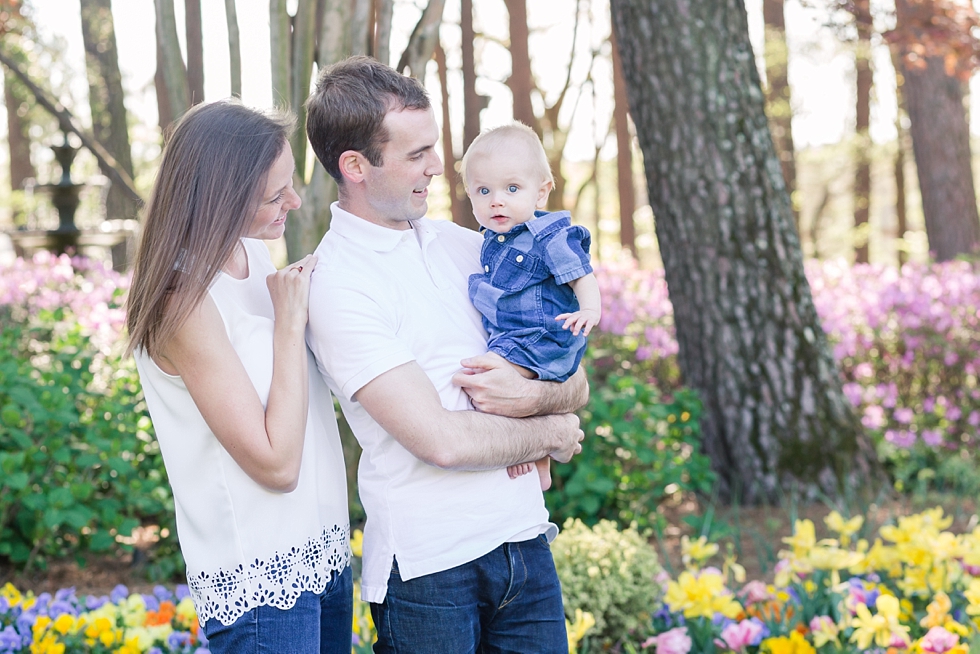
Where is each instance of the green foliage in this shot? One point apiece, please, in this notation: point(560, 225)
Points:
point(80, 466)
point(638, 449)
point(610, 573)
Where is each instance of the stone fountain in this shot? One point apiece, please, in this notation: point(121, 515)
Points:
point(67, 237)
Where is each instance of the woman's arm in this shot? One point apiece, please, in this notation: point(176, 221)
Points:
point(267, 443)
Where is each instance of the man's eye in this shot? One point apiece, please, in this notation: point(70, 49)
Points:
point(512, 188)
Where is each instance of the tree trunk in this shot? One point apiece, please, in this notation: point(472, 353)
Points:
point(456, 191)
point(234, 48)
point(109, 120)
point(195, 51)
point(520, 82)
point(301, 72)
point(861, 10)
point(17, 102)
point(170, 64)
point(749, 337)
point(360, 24)
point(279, 47)
point(779, 105)
point(471, 101)
point(384, 11)
point(941, 145)
point(624, 155)
point(423, 41)
point(901, 213)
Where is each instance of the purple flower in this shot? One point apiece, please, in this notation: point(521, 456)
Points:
point(118, 594)
point(903, 439)
point(179, 640)
point(182, 591)
point(92, 602)
point(932, 437)
point(152, 603)
point(162, 593)
point(10, 641)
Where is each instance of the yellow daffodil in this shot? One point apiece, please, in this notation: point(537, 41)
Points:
point(695, 553)
point(584, 621)
point(795, 643)
point(880, 628)
point(845, 528)
point(703, 594)
point(804, 538)
point(972, 595)
point(357, 543)
point(937, 611)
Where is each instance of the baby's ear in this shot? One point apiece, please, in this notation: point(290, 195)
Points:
point(543, 194)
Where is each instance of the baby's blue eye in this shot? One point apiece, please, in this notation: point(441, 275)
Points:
point(483, 191)
point(512, 188)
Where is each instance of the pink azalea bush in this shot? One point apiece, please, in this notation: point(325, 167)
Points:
point(907, 342)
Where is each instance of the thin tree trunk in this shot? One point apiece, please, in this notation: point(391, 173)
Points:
point(749, 337)
point(361, 27)
point(423, 41)
point(624, 155)
point(448, 154)
point(280, 48)
point(471, 101)
point(861, 10)
point(109, 119)
point(520, 81)
point(195, 50)
point(301, 72)
point(165, 114)
point(384, 11)
point(18, 135)
point(234, 48)
point(779, 105)
point(174, 75)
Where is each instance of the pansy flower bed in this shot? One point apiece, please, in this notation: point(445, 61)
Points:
point(915, 588)
point(163, 622)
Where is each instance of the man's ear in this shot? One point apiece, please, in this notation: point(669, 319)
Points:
point(353, 166)
point(543, 194)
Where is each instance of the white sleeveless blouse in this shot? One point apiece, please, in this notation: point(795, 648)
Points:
point(246, 546)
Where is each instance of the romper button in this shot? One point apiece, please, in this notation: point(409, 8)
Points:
point(486, 268)
point(520, 258)
point(501, 238)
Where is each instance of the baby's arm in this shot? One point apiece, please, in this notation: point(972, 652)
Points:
point(586, 290)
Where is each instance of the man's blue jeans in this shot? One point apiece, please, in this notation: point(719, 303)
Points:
point(316, 624)
point(506, 601)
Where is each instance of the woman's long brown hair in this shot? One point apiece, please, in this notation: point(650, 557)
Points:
point(212, 176)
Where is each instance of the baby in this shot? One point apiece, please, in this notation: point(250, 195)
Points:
point(537, 293)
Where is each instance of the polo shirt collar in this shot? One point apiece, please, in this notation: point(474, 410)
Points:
point(368, 234)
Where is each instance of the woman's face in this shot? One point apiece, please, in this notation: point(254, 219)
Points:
point(278, 199)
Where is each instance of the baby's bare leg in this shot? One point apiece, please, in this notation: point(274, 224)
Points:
point(516, 471)
point(544, 472)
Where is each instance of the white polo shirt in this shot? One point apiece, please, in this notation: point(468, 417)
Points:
point(380, 298)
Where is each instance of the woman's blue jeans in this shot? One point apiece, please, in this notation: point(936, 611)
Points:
point(506, 601)
point(316, 624)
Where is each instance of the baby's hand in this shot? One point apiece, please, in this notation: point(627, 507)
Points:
point(580, 321)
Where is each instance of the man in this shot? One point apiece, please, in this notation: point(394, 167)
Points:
point(456, 555)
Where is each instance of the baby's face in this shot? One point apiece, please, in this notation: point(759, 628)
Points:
point(505, 188)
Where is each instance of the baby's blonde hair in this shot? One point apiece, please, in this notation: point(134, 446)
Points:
point(492, 140)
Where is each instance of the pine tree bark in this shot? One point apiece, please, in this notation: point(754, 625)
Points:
point(779, 104)
point(193, 31)
point(109, 118)
point(861, 10)
point(471, 101)
point(624, 155)
point(423, 40)
point(384, 13)
point(749, 337)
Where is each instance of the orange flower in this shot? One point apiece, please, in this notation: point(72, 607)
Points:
point(163, 616)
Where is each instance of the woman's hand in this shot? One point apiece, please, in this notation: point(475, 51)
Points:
point(290, 291)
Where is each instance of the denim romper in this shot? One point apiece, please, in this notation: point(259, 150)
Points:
point(525, 285)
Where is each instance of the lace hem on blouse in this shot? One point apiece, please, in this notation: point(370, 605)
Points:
point(275, 581)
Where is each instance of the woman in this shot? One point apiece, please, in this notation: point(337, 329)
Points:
point(245, 422)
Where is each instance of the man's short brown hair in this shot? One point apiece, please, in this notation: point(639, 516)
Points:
point(348, 106)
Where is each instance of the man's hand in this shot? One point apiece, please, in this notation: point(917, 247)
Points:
point(495, 386)
point(572, 445)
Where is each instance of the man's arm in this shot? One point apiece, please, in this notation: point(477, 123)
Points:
point(406, 405)
point(495, 387)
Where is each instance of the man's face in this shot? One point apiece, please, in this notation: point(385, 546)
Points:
point(397, 191)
